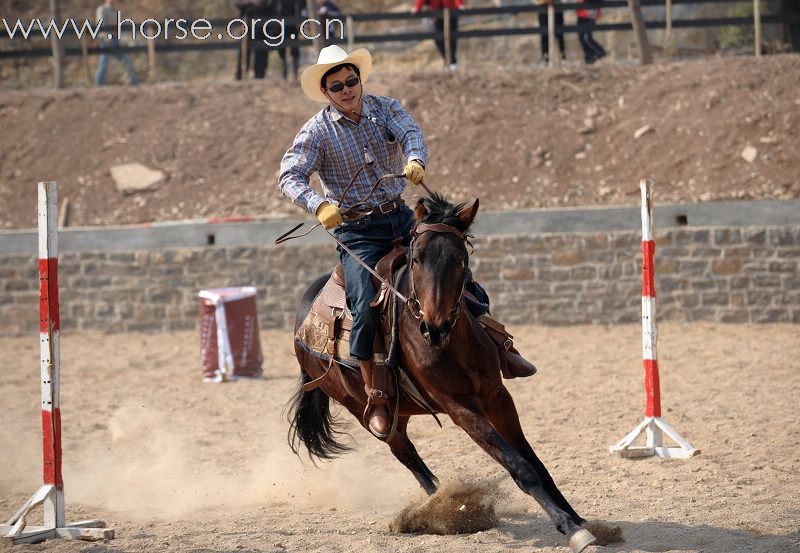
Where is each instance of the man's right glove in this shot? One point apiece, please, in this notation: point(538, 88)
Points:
point(329, 215)
point(414, 171)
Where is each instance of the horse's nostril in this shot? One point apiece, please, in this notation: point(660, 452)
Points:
point(446, 328)
point(432, 334)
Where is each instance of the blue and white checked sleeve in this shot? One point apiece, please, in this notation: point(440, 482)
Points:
point(301, 159)
point(408, 132)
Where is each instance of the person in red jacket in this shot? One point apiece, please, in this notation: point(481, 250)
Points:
point(592, 51)
point(438, 23)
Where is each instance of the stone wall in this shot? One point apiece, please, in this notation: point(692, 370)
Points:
point(735, 275)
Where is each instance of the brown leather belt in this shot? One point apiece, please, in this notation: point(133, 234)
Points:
point(384, 208)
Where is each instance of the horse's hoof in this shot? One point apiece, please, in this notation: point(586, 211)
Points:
point(580, 540)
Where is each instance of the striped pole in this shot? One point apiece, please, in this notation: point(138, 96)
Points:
point(51, 494)
point(49, 331)
point(649, 330)
point(653, 425)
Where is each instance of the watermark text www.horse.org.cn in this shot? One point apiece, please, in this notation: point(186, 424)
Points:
point(272, 31)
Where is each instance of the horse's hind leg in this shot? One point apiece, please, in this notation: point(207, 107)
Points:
point(468, 415)
point(503, 415)
point(406, 453)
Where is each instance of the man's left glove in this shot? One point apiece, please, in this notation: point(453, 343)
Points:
point(414, 171)
point(329, 215)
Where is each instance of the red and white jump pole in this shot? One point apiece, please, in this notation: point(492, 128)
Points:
point(51, 494)
point(653, 425)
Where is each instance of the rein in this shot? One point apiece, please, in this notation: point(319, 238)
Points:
point(285, 237)
point(412, 302)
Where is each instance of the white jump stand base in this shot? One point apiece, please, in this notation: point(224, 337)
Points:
point(17, 532)
point(655, 428)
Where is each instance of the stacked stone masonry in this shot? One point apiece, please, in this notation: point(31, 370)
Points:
point(734, 275)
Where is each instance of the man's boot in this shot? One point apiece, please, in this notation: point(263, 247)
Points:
point(376, 415)
point(517, 365)
point(512, 364)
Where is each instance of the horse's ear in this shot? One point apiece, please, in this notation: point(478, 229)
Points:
point(467, 215)
point(420, 210)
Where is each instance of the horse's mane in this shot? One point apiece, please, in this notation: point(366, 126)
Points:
point(442, 210)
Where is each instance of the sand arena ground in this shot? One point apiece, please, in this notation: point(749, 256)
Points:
point(177, 465)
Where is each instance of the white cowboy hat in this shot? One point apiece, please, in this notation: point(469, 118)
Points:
point(331, 56)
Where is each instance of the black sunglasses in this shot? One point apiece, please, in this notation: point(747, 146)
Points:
point(351, 82)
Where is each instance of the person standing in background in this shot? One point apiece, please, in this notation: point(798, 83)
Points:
point(107, 13)
point(545, 38)
point(255, 12)
point(291, 12)
point(592, 51)
point(438, 24)
point(328, 12)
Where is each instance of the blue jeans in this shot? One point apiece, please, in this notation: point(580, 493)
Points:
point(102, 66)
point(370, 238)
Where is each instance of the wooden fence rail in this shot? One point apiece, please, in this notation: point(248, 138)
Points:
point(85, 48)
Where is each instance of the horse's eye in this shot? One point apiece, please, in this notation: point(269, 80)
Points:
point(414, 261)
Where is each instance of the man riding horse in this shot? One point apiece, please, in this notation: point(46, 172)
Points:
point(352, 142)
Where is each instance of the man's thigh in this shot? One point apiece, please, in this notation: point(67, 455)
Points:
point(369, 245)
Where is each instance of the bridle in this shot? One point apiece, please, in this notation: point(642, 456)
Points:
point(413, 301)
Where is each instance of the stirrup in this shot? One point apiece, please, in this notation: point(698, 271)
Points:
point(382, 400)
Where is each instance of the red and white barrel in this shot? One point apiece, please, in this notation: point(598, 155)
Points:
point(49, 331)
point(230, 347)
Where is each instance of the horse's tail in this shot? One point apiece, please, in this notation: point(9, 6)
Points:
point(309, 413)
point(311, 422)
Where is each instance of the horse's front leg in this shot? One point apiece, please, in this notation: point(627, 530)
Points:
point(468, 415)
point(502, 413)
point(405, 452)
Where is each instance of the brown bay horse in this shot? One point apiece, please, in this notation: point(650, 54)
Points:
point(451, 360)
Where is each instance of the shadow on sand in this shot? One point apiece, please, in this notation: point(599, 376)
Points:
point(656, 537)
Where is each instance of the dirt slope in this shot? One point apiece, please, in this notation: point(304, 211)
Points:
point(516, 138)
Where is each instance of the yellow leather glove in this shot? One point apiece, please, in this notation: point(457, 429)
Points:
point(329, 215)
point(414, 171)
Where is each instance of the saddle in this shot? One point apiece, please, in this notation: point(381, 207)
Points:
point(333, 293)
point(326, 329)
point(325, 333)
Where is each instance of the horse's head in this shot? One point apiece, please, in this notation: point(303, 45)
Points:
point(439, 262)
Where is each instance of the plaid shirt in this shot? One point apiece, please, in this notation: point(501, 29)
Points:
point(334, 145)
